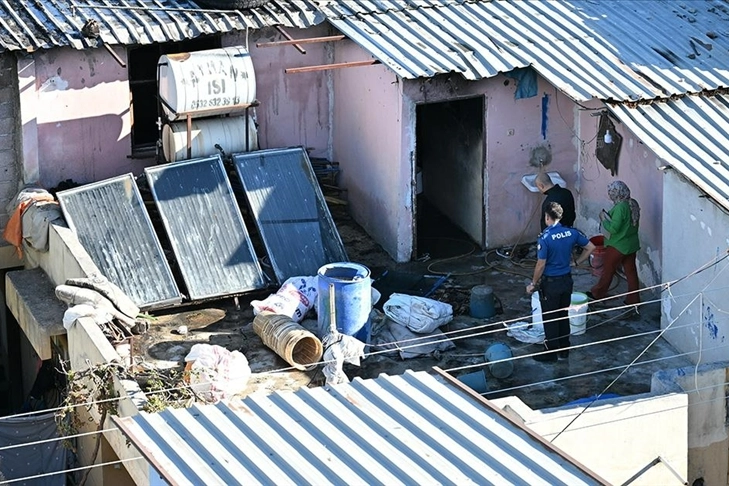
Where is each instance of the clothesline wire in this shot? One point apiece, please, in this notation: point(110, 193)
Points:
point(666, 285)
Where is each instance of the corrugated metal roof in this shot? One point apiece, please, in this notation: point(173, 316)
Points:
point(31, 25)
point(408, 429)
point(690, 134)
point(627, 50)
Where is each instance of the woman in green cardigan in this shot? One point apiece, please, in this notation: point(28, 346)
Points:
point(621, 222)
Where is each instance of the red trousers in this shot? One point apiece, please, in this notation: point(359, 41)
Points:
point(612, 260)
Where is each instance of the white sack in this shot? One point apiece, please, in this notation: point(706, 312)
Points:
point(419, 314)
point(294, 299)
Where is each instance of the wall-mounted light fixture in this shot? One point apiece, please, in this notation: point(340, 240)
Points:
point(664, 168)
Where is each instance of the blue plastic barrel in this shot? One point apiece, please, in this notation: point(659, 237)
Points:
point(482, 302)
point(476, 381)
point(352, 289)
point(498, 352)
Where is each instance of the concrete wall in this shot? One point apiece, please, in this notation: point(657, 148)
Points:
point(88, 347)
point(708, 445)
point(368, 143)
point(294, 108)
point(513, 128)
point(10, 140)
point(695, 233)
point(76, 117)
point(619, 437)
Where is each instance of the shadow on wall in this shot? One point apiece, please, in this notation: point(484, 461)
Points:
point(85, 150)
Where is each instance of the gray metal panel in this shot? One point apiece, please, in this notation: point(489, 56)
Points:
point(408, 429)
point(689, 134)
point(31, 25)
point(113, 226)
point(290, 211)
point(206, 230)
point(627, 50)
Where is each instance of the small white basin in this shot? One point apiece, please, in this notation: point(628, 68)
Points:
point(529, 181)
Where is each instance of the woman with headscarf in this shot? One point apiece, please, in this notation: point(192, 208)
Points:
point(621, 222)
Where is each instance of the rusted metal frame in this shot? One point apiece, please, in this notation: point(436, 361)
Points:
point(286, 34)
point(324, 67)
point(311, 40)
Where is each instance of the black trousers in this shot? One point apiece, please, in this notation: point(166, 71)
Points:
point(555, 297)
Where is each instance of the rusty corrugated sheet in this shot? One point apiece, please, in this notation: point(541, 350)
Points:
point(113, 226)
point(205, 228)
point(30, 25)
point(625, 51)
point(392, 430)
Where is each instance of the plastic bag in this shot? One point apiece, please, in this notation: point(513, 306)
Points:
point(216, 373)
point(419, 314)
point(294, 299)
point(536, 309)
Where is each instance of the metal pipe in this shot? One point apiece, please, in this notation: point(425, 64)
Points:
point(295, 44)
point(311, 40)
point(324, 67)
point(189, 136)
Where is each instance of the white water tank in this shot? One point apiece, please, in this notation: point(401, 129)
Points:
point(228, 132)
point(205, 83)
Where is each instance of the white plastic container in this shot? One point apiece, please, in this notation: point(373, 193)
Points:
point(228, 132)
point(578, 313)
point(205, 83)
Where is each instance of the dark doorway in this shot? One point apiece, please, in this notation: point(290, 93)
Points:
point(449, 175)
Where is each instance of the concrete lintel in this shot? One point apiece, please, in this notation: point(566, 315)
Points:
point(30, 296)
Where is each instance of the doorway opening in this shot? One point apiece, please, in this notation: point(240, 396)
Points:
point(449, 168)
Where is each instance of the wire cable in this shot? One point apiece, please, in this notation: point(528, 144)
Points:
point(663, 331)
point(665, 286)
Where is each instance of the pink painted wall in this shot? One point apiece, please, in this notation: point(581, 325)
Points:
point(76, 120)
point(367, 142)
point(512, 128)
point(638, 168)
point(75, 108)
point(294, 108)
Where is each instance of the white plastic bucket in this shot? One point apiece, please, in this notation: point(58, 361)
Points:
point(205, 83)
point(228, 132)
point(577, 312)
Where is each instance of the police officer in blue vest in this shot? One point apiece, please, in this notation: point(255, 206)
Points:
point(553, 279)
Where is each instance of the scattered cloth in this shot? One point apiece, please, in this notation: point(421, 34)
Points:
point(395, 336)
point(110, 291)
point(13, 232)
point(525, 332)
point(339, 349)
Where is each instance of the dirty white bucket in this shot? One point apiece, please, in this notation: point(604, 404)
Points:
point(578, 313)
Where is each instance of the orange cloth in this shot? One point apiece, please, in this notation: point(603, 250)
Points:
point(13, 232)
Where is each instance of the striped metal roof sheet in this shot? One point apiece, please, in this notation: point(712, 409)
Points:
point(407, 429)
point(625, 51)
point(31, 25)
point(689, 134)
